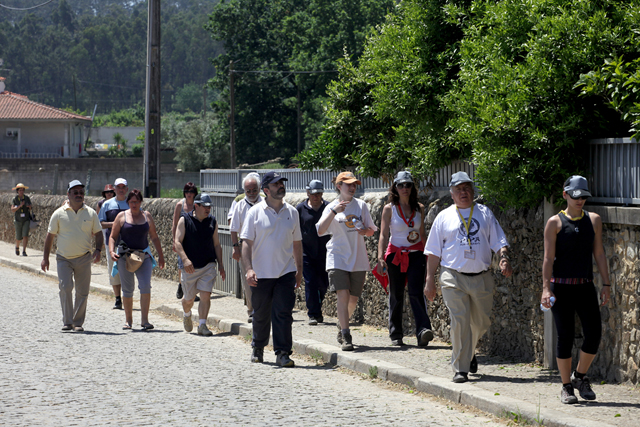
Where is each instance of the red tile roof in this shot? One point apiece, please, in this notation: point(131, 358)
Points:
point(18, 107)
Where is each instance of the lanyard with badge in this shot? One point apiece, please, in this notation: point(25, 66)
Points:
point(468, 254)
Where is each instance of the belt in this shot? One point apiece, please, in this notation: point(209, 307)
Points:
point(472, 274)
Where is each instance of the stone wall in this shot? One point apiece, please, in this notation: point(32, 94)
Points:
point(517, 322)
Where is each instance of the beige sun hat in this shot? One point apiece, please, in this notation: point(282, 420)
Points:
point(21, 185)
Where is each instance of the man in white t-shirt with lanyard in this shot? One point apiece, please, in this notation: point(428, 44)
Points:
point(272, 258)
point(460, 241)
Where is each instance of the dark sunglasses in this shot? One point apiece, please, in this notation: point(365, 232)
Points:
point(579, 198)
point(405, 185)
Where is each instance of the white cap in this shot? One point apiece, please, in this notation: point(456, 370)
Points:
point(120, 181)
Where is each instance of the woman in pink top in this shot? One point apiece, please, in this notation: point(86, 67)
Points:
point(401, 257)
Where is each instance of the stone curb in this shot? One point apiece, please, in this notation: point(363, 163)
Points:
point(465, 394)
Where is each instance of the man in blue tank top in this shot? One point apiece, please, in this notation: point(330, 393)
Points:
point(198, 246)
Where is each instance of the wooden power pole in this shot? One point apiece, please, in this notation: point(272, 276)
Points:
point(151, 173)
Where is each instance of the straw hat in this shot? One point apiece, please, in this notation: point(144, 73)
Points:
point(21, 185)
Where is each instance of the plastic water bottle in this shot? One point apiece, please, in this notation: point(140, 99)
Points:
point(552, 301)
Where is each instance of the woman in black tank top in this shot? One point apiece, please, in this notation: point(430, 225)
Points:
point(571, 238)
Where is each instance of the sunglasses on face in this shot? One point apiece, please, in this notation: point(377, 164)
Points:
point(580, 198)
point(405, 185)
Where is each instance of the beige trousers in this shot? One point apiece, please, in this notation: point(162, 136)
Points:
point(469, 300)
point(247, 289)
point(72, 273)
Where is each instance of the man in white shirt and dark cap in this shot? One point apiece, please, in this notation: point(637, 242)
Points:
point(460, 241)
point(272, 258)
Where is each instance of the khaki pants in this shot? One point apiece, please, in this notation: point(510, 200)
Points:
point(74, 272)
point(469, 300)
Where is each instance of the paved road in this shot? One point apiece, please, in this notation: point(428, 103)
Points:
point(166, 376)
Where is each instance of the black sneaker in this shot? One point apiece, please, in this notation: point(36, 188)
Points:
point(397, 342)
point(24, 253)
point(340, 340)
point(567, 396)
point(346, 344)
point(426, 335)
point(584, 387)
point(258, 355)
point(179, 293)
point(284, 361)
point(118, 304)
point(460, 377)
point(473, 367)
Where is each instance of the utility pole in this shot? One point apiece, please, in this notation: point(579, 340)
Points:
point(153, 101)
point(75, 101)
point(232, 104)
point(299, 120)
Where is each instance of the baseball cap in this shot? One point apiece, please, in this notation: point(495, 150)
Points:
point(203, 199)
point(403, 176)
point(459, 178)
point(271, 178)
point(577, 186)
point(347, 178)
point(74, 183)
point(315, 186)
point(120, 181)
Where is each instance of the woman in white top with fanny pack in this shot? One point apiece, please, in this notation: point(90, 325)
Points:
point(347, 220)
point(401, 257)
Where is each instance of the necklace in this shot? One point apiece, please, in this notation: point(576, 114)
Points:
point(578, 218)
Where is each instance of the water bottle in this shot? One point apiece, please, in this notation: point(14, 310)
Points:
point(552, 301)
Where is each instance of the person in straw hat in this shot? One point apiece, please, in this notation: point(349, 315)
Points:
point(21, 208)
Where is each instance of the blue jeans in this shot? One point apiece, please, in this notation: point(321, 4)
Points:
point(414, 278)
point(273, 301)
point(316, 283)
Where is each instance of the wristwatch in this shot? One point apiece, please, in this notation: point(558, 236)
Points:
point(235, 245)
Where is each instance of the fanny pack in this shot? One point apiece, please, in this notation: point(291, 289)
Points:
point(133, 258)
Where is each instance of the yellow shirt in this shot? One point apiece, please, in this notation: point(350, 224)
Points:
point(74, 230)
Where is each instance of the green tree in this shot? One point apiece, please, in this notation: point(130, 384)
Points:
point(267, 36)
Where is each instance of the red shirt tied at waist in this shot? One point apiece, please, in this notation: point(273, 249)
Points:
point(401, 258)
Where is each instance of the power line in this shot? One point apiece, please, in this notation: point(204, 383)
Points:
point(25, 8)
point(289, 72)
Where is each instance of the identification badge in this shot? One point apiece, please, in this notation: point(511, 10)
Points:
point(23, 215)
point(469, 254)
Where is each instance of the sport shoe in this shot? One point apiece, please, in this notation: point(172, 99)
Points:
point(312, 321)
point(204, 331)
point(197, 298)
point(188, 323)
point(347, 345)
point(250, 319)
point(283, 359)
point(397, 342)
point(24, 253)
point(567, 395)
point(425, 336)
point(78, 329)
point(473, 367)
point(583, 386)
point(179, 293)
point(118, 304)
point(258, 355)
point(460, 377)
point(340, 340)
point(67, 327)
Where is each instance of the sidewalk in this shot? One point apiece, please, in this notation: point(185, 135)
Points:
point(500, 387)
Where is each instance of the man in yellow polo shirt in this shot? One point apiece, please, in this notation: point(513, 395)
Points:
point(73, 223)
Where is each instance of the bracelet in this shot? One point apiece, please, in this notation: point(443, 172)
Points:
point(606, 284)
point(333, 210)
point(235, 245)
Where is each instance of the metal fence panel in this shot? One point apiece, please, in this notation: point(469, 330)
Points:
point(231, 285)
point(614, 170)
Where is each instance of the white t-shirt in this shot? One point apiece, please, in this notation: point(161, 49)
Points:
point(240, 212)
point(231, 209)
point(401, 234)
point(273, 235)
point(448, 239)
point(346, 250)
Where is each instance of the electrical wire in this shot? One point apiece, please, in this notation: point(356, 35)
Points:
point(290, 72)
point(25, 8)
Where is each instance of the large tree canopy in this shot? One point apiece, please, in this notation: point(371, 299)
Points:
point(489, 81)
point(269, 38)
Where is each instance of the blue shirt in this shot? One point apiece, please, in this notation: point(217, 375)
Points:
point(109, 211)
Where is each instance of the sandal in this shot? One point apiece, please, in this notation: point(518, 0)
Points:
point(126, 326)
point(147, 327)
point(18, 251)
